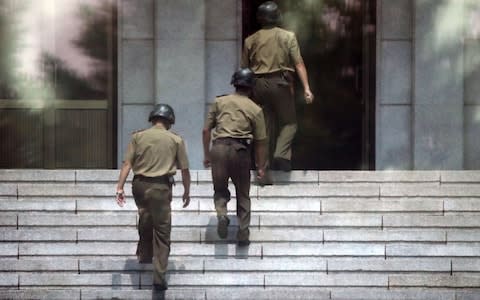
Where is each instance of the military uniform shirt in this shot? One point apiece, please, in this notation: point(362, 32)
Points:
point(236, 116)
point(156, 152)
point(270, 50)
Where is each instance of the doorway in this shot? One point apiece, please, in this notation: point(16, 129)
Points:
point(337, 41)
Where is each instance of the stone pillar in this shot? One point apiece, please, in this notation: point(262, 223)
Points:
point(394, 85)
point(180, 67)
point(438, 87)
point(472, 85)
point(136, 68)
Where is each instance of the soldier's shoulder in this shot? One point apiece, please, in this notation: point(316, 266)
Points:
point(138, 131)
point(174, 134)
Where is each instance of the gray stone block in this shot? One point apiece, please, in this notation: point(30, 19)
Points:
point(72, 279)
point(396, 19)
point(472, 131)
point(268, 293)
point(462, 265)
point(442, 191)
point(181, 60)
point(130, 265)
point(209, 279)
point(96, 176)
point(460, 177)
point(138, 71)
point(445, 61)
point(304, 220)
point(41, 294)
point(8, 249)
point(435, 280)
point(367, 264)
point(205, 220)
point(289, 191)
point(286, 235)
point(8, 280)
point(131, 235)
point(330, 280)
point(91, 219)
point(38, 265)
point(463, 235)
point(20, 175)
point(468, 205)
point(389, 206)
point(392, 294)
point(440, 250)
point(221, 62)
point(105, 205)
point(47, 234)
point(267, 264)
point(74, 249)
point(83, 189)
point(379, 176)
point(378, 235)
point(447, 221)
point(137, 19)
point(8, 220)
point(170, 294)
point(466, 295)
point(396, 82)
point(35, 206)
point(180, 19)
point(8, 189)
point(472, 73)
point(330, 249)
point(216, 250)
point(438, 140)
point(221, 20)
point(394, 138)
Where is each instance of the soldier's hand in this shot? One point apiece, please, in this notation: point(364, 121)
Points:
point(120, 198)
point(186, 200)
point(260, 173)
point(309, 96)
point(206, 162)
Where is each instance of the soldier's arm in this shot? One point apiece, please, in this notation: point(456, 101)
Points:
point(186, 187)
point(126, 167)
point(302, 74)
point(260, 156)
point(206, 137)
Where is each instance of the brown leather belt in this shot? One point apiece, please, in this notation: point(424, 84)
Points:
point(229, 140)
point(158, 179)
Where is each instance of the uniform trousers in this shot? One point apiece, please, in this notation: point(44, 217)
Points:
point(231, 158)
point(153, 197)
point(274, 93)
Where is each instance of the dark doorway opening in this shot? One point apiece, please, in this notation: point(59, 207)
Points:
point(337, 41)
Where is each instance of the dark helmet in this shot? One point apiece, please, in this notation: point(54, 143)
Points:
point(268, 13)
point(243, 77)
point(162, 111)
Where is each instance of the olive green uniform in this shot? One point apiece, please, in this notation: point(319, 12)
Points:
point(272, 54)
point(236, 121)
point(155, 154)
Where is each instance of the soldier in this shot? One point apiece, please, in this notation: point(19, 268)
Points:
point(238, 125)
point(153, 155)
point(273, 55)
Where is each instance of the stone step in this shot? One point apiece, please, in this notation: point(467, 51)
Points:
point(202, 235)
point(328, 265)
point(240, 293)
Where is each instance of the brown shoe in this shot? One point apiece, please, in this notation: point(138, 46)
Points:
point(222, 227)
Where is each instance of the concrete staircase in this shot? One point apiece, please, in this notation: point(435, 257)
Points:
point(315, 235)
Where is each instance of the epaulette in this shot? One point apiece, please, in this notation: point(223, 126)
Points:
point(221, 95)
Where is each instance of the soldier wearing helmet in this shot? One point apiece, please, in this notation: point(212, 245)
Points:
point(236, 125)
point(273, 55)
point(154, 155)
